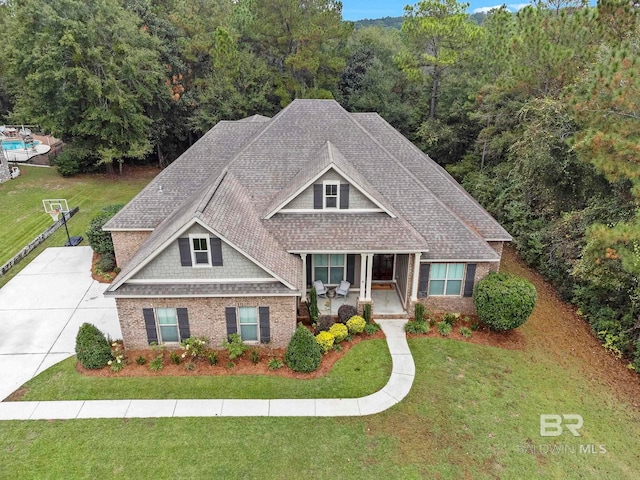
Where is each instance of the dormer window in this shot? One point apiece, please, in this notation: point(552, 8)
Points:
point(200, 255)
point(331, 194)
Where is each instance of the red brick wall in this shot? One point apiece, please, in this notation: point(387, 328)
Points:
point(125, 244)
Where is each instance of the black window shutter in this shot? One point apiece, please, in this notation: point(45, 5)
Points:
point(150, 325)
point(423, 280)
point(265, 327)
point(216, 251)
point(351, 268)
point(468, 282)
point(309, 271)
point(232, 325)
point(183, 323)
point(185, 252)
point(317, 196)
point(344, 196)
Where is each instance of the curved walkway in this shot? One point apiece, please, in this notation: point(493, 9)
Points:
point(398, 386)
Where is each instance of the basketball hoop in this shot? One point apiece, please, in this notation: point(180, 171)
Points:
point(54, 214)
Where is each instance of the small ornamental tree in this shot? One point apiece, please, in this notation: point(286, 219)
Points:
point(504, 301)
point(92, 348)
point(303, 352)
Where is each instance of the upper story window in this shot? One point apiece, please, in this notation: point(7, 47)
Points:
point(446, 279)
point(200, 253)
point(331, 194)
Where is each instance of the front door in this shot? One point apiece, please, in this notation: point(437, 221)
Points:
point(383, 267)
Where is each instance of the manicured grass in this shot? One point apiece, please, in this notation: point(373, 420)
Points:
point(346, 380)
point(22, 216)
point(470, 414)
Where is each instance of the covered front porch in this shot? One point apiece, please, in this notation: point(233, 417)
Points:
point(385, 298)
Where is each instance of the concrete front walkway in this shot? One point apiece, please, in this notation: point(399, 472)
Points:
point(396, 389)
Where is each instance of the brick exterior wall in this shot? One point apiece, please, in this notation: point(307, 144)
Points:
point(458, 304)
point(125, 244)
point(497, 246)
point(207, 317)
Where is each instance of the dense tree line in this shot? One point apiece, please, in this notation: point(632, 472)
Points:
point(537, 113)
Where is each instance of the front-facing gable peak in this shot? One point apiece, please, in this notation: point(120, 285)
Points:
point(327, 159)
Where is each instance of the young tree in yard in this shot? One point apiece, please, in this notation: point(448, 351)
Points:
point(436, 32)
point(86, 72)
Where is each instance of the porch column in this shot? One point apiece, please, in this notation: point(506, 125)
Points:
point(416, 277)
point(304, 276)
point(363, 275)
point(369, 275)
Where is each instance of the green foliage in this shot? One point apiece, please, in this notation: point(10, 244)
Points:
point(74, 160)
point(234, 345)
point(275, 364)
point(157, 363)
point(466, 332)
point(313, 305)
point(254, 356)
point(419, 312)
point(175, 358)
point(339, 331)
point(107, 263)
point(212, 356)
point(504, 301)
point(303, 352)
point(100, 240)
point(141, 360)
point(371, 328)
point(416, 327)
point(194, 347)
point(324, 323)
point(325, 340)
point(92, 348)
point(345, 312)
point(356, 324)
point(444, 328)
point(450, 318)
point(366, 312)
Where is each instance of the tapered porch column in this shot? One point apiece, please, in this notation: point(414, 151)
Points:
point(304, 277)
point(369, 275)
point(363, 277)
point(416, 277)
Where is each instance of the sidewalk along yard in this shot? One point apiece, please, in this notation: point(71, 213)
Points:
point(22, 217)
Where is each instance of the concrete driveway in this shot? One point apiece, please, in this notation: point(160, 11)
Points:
point(41, 310)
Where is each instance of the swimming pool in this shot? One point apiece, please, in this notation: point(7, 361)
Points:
point(15, 144)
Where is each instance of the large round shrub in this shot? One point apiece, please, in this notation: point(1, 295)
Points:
point(340, 331)
point(325, 340)
point(303, 352)
point(100, 240)
point(92, 348)
point(504, 301)
point(345, 312)
point(356, 324)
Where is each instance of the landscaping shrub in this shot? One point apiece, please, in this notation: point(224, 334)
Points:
point(254, 356)
point(175, 358)
point(141, 360)
point(371, 328)
point(444, 328)
point(325, 340)
point(418, 312)
point(92, 348)
point(345, 312)
point(234, 345)
point(313, 305)
point(366, 312)
point(416, 327)
point(324, 323)
point(107, 263)
point(340, 331)
point(356, 324)
point(194, 347)
point(99, 240)
point(212, 356)
point(275, 364)
point(450, 318)
point(303, 352)
point(465, 332)
point(504, 301)
point(74, 160)
point(157, 363)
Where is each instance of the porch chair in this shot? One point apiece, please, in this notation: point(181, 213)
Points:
point(321, 290)
point(343, 289)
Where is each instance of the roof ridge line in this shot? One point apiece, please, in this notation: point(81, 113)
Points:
point(416, 179)
point(216, 184)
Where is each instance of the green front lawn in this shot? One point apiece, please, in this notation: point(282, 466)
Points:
point(473, 412)
point(22, 215)
point(346, 380)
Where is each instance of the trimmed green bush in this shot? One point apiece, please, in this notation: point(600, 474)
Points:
point(444, 328)
point(416, 327)
point(366, 312)
point(99, 240)
point(313, 305)
point(340, 331)
point(504, 301)
point(345, 312)
point(356, 324)
point(418, 312)
point(371, 328)
point(303, 352)
point(92, 348)
point(107, 263)
point(450, 318)
point(325, 340)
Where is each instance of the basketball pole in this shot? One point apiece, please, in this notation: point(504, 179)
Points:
point(64, 220)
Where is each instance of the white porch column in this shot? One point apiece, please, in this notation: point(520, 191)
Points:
point(304, 276)
point(363, 277)
point(369, 275)
point(416, 277)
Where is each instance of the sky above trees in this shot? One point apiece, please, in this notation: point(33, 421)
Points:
point(360, 9)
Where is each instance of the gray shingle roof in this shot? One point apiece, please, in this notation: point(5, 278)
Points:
point(241, 171)
point(200, 289)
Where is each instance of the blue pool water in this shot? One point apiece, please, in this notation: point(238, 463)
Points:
point(15, 144)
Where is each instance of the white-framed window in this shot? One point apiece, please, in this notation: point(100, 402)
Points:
point(248, 325)
point(331, 194)
point(446, 279)
point(167, 320)
point(330, 269)
point(200, 250)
